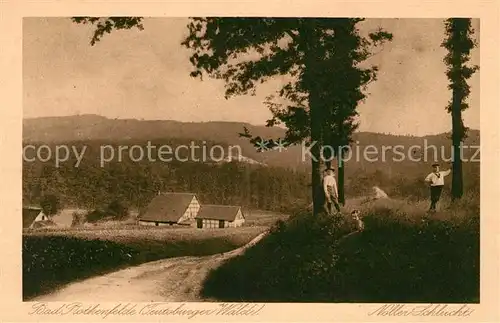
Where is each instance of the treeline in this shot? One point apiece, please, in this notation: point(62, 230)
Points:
point(136, 182)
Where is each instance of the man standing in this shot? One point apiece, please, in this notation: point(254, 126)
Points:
point(331, 193)
point(436, 181)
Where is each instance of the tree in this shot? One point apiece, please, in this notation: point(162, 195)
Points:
point(338, 136)
point(459, 43)
point(347, 84)
point(246, 51)
point(49, 204)
point(310, 51)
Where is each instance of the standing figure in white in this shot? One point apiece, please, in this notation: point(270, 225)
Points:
point(436, 182)
point(331, 193)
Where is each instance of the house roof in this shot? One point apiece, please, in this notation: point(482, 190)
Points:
point(218, 212)
point(29, 215)
point(167, 207)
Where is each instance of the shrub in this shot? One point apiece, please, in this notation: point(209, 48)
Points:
point(95, 216)
point(116, 210)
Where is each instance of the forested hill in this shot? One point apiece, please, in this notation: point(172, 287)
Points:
point(93, 127)
point(280, 183)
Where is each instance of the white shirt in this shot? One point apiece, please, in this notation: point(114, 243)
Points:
point(329, 180)
point(436, 180)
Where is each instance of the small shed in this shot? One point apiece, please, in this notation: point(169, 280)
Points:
point(32, 215)
point(169, 209)
point(219, 216)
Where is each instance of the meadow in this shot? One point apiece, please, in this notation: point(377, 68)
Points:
point(402, 255)
point(55, 257)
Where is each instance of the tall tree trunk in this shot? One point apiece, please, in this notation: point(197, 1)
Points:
point(459, 43)
point(310, 75)
point(341, 168)
point(457, 136)
point(317, 190)
point(458, 130)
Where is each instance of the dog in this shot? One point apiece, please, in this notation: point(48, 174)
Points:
point(355, 215)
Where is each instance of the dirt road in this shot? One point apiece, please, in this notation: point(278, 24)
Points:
point(169, 280)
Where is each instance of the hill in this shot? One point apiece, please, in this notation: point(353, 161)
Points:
point(272, 180)
point(85, 128)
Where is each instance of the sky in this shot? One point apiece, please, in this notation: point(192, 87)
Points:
point(145, 75)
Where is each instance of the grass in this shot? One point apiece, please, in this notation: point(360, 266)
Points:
point(53, 258)
point(147, 233)
point(262, 218)
point(403, 255)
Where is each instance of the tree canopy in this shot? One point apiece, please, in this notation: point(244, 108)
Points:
point(319, 57)
point(459, 43)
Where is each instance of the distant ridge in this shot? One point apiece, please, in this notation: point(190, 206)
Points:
point(37, 128)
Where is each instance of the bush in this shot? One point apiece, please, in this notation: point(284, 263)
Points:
point(95, 216)
point(117, 210)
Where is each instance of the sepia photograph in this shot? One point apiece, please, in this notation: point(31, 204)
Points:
point(251, 159)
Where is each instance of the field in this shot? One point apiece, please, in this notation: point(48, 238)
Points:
point(149, 234)
point(55, 257)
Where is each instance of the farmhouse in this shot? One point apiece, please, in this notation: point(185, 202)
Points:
point(32, 216)
point(219, 216)
point(170, 209)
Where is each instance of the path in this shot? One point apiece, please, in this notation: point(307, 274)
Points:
point(168, 280)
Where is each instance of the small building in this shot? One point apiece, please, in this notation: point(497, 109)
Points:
point(32, 216)
point(219, 216)
point(170, 209)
